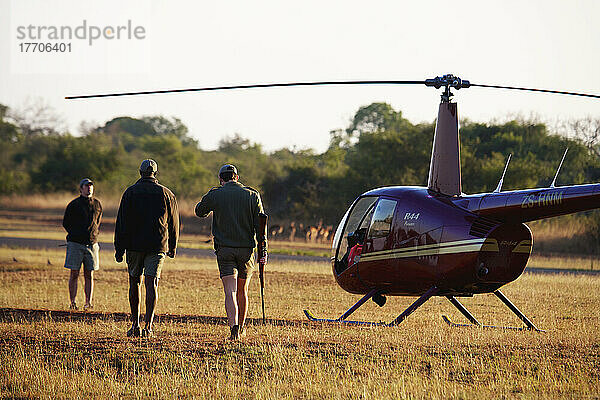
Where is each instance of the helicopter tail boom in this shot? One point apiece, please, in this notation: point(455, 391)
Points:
point(533, 204)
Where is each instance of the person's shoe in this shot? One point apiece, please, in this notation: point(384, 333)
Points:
point(241, 332)
point(147, 333)
point(73, 306)
point(134, 331)
point(87, 307)
point(235, 332)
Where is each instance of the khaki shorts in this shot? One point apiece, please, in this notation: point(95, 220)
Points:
point(139, 262)
point(78, 253)
point(235, 258)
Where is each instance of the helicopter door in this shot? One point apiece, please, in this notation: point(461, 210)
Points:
point(378, 237)
point(351, 231)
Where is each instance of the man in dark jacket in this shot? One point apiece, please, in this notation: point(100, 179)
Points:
point(235, 226)
point(147, 228)
point(81, 221)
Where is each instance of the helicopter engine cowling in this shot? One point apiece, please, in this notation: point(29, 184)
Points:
point(503, 257)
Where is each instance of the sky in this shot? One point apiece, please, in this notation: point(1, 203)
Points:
point(552, 44)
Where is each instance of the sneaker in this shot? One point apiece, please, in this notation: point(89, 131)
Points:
point(147, 333)
point(242, 332)
point(87, 307)
point(73, 306)
point(134, 331)
point(235, 332)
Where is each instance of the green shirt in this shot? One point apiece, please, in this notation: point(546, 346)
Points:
point(235, 209)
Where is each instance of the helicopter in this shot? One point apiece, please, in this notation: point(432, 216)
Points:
point(436, 240)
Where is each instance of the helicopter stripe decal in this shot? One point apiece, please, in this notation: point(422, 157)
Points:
point(427, 246)
point(419, 253)
point(460, 246)
point(490, 244)
point(524, 246)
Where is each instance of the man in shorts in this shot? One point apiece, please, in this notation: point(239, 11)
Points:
point(235, 226)
point(147, 228)
point(81, 221)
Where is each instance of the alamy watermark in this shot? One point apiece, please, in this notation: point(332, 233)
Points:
point(49, 38)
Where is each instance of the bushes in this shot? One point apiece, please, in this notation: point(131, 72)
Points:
point(379, 147)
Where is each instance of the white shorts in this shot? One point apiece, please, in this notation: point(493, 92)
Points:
point(80, 253)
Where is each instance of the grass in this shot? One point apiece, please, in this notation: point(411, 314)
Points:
point(574, 263)
point(88, 355)
point(290, 358)
point(573, 233)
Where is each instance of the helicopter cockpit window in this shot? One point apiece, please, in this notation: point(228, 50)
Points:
point(381, 223)
point(357, 222)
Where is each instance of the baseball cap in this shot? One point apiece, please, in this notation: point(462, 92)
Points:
point(85, 181)
point(149, 165)
point(228, 168)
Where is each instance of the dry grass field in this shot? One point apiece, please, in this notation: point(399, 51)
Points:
point(87, 355)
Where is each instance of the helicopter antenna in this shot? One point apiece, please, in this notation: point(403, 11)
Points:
point(559, 166)
point(499, 187)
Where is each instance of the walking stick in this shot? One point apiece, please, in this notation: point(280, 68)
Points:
point(262, 250)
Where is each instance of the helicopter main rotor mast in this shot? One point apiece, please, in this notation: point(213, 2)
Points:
point(447, 81)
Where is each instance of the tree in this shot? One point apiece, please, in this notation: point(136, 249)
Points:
point(133, 126)
point(12, 178)
point(587, 130)
point(68, 159)
point(36, 118)
point(166, 126)
point(376, 117)
point(389, 151)
point(9, 133)
point(248, 157)
point(535, 156)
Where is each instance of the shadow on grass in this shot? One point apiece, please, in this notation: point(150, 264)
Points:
point(22, 315)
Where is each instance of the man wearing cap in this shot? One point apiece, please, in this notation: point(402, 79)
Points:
point(81, 221)
point(147, 228)
point(235, 225)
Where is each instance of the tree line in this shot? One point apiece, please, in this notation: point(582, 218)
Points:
point(378, 147)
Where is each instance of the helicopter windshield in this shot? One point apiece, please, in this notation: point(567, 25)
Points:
point(356, 221)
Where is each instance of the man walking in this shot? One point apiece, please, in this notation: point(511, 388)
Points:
point(81, 221)
point(147, 228)
point(235, 225)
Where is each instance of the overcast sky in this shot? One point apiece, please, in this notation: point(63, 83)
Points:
point(547, 44)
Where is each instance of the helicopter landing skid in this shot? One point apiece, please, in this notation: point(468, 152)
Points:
point(474, 322)
point(342, 319)
point(312, 318)
point(456, 325)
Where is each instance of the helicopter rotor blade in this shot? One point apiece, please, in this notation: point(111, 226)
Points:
point(595, 96)
point(264, 85)
point(447, 81)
